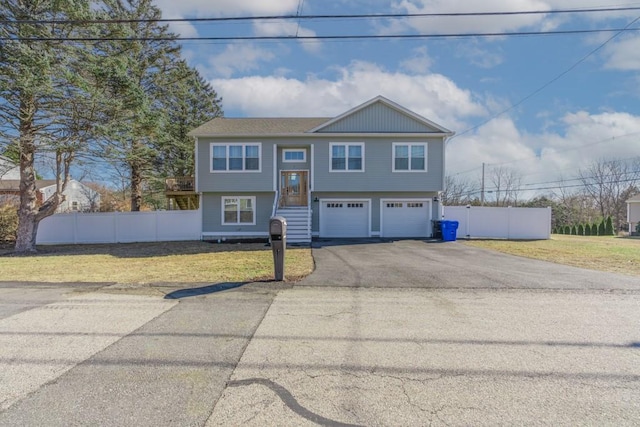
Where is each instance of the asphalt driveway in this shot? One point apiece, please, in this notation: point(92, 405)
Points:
point(445, 265)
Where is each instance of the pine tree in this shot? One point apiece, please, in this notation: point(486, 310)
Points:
point(580, 230)
point(608, 228)
point(587, 230)
point(47, 103)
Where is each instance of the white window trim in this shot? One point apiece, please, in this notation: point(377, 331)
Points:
point(222, 204)
point(243, 144)
point(294, 150)
point(409, 144)
point(346, 144)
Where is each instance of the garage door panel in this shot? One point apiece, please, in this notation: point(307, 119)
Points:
point(344, 218)
point(406, 218)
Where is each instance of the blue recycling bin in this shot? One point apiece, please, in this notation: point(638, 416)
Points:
point(449, 230)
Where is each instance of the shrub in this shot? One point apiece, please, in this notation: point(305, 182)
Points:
point(580, 230)
point(567, 229)
point(594, 229)
point(587, 230)
point(8, 222)
point(602, 229)
point(608, 227)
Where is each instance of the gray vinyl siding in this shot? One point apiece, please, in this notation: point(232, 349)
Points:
point(378, 118)
point(212, 213)
point(375, 204)
point(234, 181)
point(378, 172)
point(294, 165)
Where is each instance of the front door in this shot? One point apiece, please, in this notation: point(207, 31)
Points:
point(293, 188)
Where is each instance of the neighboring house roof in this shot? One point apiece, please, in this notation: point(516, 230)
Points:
point(634, 199)
point(14, 184)
point(364, 118)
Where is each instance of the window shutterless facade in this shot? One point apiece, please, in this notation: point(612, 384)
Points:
point(238, 210)
point(236, 157)
point(346, 157)
point(409, 157)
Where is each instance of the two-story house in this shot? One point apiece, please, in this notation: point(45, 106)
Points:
point(375, 170)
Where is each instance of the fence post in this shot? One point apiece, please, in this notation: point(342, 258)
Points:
point(468, 221)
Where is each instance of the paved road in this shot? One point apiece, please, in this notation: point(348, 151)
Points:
point(399, 333)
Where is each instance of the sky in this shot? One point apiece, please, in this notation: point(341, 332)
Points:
point(544, 105)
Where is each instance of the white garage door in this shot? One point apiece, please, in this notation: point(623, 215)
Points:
point(344, 218)
point(406, 218)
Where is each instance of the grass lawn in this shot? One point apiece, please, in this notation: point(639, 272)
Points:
point(613, 254)
point(143, 263)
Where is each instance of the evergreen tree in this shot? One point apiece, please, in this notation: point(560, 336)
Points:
point(567, 229)
point(580, 230)
point(47, 105)
point(587, 229)
point(594, 229)
point(602, 228)
point(608, 227)
point(146, 63)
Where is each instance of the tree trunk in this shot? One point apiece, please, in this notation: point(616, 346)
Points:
point(136, 187)
point(28, 210)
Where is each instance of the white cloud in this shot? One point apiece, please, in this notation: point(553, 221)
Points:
point(239, 57)
point(470, 23)
point(419, 62)
point(207, 8)
point(480, 57)
point(289, 29)
point(623, 54)
point(543, 157)
point(432, 95)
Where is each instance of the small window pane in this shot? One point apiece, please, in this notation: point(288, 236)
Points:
point(417, 151)
point(355, 164)
point(401, 164)
point(355, 151)
point(219, 161)
point(338, 151)
point(402, 151)
point(246, 211)
point(338, 163)
point(235, 151)
point(252, 151)
point(231, 210)
point(417, 163)
point(235, 164)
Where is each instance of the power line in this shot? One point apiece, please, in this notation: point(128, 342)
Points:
point(329, 16)
point(553, 80)
point(356, 37)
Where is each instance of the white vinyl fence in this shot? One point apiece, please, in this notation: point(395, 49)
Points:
point(120, 227)
point(501, 223)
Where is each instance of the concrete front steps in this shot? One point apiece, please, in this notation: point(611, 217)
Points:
point(298, 224)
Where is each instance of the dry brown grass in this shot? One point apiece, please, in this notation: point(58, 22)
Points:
point(613, 254)
point(144, 263)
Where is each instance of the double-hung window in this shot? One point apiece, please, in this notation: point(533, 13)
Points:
point(409, 157)
point(346, 157)
point(238, 210)
point(235, 157)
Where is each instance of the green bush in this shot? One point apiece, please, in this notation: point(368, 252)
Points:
point(602, 228)
point(580, 230)
point(8, 222)
point(587, 230)
point(608, 227)
point(567, 229)
point(594, 229)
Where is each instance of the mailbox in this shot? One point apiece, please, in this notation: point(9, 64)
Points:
point(278, 237)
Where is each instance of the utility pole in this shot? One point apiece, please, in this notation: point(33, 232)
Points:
point(482, 191)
